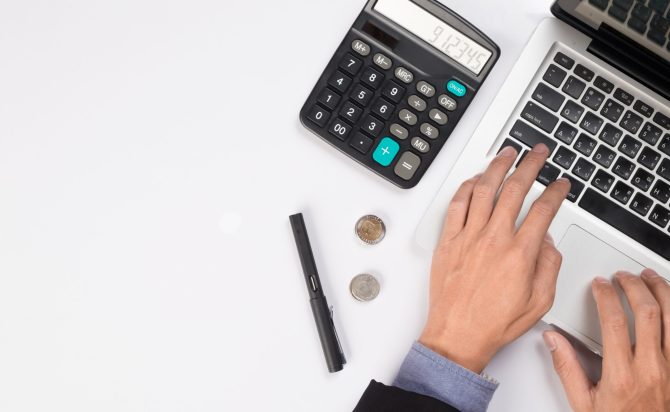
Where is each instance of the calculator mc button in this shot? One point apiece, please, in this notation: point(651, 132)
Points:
point(407, 165)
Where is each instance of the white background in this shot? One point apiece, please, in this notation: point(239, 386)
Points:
point(150, 155)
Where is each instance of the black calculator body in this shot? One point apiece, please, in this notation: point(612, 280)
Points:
point(398, 85)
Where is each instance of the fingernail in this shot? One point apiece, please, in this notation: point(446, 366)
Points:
point(478, 175)
point(549, 341)
point(508, 151)
point(540, 148)
point(564, 179)
point(549, 237)
point(649, 274)
point(600, 279)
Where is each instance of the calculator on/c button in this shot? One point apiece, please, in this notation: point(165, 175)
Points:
point(398, 85)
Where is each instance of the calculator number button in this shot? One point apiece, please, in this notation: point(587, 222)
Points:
point(420, 145)
point(438, 117)
point(351, 112)
point(394, 92)
point(386, 151)
point(360, 47)
point(383, 109)
point(372, 78)
point(372, 126)
point(319, 116)
point(429, 131)
point(361, 143)
point(329, 99)
point(425, 89)
point(408, 117)
point(404, 75)
point(340, 129)
point(383, 61)
point(362, 95)
point(340, 81)
point(351, 64)
point(417, 103)
point(447, 102)
point(407, 165)
point(399, 131)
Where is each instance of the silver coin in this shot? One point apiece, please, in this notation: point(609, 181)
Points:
point(364, 287)
point(370, 229)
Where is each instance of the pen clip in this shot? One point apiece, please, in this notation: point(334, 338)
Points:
point(337, 338)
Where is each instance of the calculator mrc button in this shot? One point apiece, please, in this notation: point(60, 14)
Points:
point(447, 102)
point(399, 131)
point(383, 61)
point(386, 151)
point(407, 165)
point(421, 145)
point(425, 89)
point(361, 48)
point(404, 75)
point(456, 88)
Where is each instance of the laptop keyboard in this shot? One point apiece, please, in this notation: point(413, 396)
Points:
point(613, 146)
point(650, 17)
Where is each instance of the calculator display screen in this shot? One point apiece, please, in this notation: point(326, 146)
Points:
point(436, 32)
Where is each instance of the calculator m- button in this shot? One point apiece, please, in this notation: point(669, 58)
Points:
point(383, 61)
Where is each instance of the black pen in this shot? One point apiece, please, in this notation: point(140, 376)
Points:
point(323, 316)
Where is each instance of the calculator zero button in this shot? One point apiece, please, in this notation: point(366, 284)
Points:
point(404, 75)
point(361, 48)
point(399, 131)
point(429, 131)
point(319, 116)
point(425, 89)
point(383, 61)
point(394, 92)
point(407, 165)
point(417, 103)
point(340, 81)
point(408, 117)
point(372, 78)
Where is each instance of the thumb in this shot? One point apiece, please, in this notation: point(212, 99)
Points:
point(575, 382)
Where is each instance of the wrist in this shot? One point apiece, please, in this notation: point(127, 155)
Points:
point(470, 356)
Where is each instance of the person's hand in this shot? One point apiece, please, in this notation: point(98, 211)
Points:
point(491, 282)
point(634, 378)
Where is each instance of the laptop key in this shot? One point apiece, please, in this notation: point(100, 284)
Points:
point(511, 143)
point(643, 180)
point(624, 168)
point(549, 97)
point(641, 12)
point(659, 5)
point(661, 192)
point(630, 146)
point(604, 84)
point(539, 117)
point(530, 136)
point(564, 60)
point(604, 156)
point(643, 108)
point(625, 221)
point(566, 133)
point(611, 135)
point(585, 145)
point(623, 96)
point(576, 188)
point(554, 75)
point(592, 123)
point(612, 111)
point(660, 216)
point(574, 87)
point(641, 204)
point(565, 157)
point(584, 169)
point(665, 144)
point(593, 99)
point(637, 25)
point(548, 174)
point(649, 158)
point(585, 73)
point(662, 120)
point(603, 181)
point(651, 134)
point(631, 122)
point(624, 4)
point(618, 13)
point(601, 4)
point(664, 169)
point(622, 193)
point(572, 111)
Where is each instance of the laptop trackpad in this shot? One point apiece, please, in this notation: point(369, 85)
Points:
point(585, 257)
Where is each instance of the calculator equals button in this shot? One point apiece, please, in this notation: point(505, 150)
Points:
point(407, 165)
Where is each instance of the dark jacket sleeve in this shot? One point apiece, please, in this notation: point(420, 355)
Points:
point(381, 398)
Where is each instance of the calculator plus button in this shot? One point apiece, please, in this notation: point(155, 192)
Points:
point(383, 109)
point(425, 89)
point(362, 95)
point(417, 103)
point(319, 116)
point(456, 88)
point(361, 48)
point(340, 81)
point(447, 102)
point(407, 165)
point(361, 143)
point(404, 75)
point(421, 145)
point(383, 61)
point(386, 151)
point(351, 112)
point(394, 92)
point(372, 126)
point(438, 117)
point(340, 129)
point(408, 117)
point(372, 78)
point(429, 131)
point(399, 131)
point(329, 99)
point(351, 64)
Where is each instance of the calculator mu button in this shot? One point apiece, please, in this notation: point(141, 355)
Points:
point(394, 92)
point(386, 151)
point(383, 61)
point(361, 143)
point(399, 131)
point(340, 81)
point(329, 99)
point(360, 47)
point(408, 117)
point(447, 102)
point(421, 145)
point(417, 103)
point(404, 75)
point(340, 129)
point(351, 64)
point(425, 89)
point(429, 131)
point(438, 117)
point(407, 165)
point(372, 78)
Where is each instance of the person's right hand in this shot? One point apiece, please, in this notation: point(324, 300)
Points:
point(634, 378)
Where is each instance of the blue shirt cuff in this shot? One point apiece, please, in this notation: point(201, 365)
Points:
point(427, 373)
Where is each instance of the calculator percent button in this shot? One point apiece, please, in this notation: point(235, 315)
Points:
point(404, 75)
point(430, 131)
point(383, 61)
point(420, 145)
point(407, 165)
point(425, 89)
point(417, 103)
point(360, 47)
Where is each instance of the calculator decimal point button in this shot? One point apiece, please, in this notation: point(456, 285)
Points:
point(399, 131)
point(447, 102)
point(407, 165)
point(420, 145)
point(360, 47)
point(425, 89)
point(383, 61)
point(404, 75)
point(408, 117)
point(430, 131)
point(361, 143)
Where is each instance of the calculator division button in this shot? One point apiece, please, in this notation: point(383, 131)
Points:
point(394, 92)
point(340, 81)
point(383, 109)
point(404, 75)
point(417, 103)
point(372, 126)
point(351, 64)
point(447, 102)
point(340, 129)
point(351, 112)
point(361, 48)
point(361, 143)
point(429, 131)
point(407, 165)
point(329, 99)
point(372, 78)
point(399, 131)
point(425, 89)
point(319, 116)
point(438, 117)
point(383, 61)
point(421, 145)
point(456, 88)
point(386, 151)
point(408, 117)
point(362, 95)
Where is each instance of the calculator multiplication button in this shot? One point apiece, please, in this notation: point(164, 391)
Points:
point(408, 117)
point(438, 117)
point(361, 143)
point(425, 89)
point(329, 99)
point(399, 131)
point(351, 64)
point(362, 95)
point(429, 131)
point(383, 61)
point(447, 102)
point(340, 129)
point(394, 92)
point(372, 78)
point(420, 145)
point(319, 116)
point(386, 151)
point(340, 81)
point(372, 126)
point(360, 47)
point(404, 75)
point(351, 112)
point(417, 103)
point(407, 165)
point(383, 109)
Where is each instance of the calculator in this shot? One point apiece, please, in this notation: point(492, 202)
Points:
point(398, 85)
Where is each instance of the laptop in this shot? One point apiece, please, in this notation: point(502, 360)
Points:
point(593, 84)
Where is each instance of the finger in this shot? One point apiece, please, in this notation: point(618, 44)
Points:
point(577, 385)
point(516, 188)
point(646, 311)
point(661, 290)
point(546, 273)
point(541, 214)
point(457, 213)
point(486, 189)
point(613, 324)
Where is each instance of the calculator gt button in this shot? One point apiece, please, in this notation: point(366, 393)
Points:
point(340, 81)
point(417, 103)
point(319, 116)
point(386, 151)
point(447, 102)
point(438, 117)
point(361, 143)
point(340, 129)
point(351, 64)
point(394, 92)
point(399, 131)
point(383, 61)
point(420, 145)
point(404, 75)
point(329, 99)
point(407, 165)
point(372, 78)
point(361, 48)
point(456, 88)
point(408, 117)
point(425, 89)
point(429, 131)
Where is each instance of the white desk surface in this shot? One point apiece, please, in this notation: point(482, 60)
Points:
point(150, 155)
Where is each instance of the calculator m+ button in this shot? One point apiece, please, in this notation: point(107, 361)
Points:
point(417, 103)
point(386, 151)
point(408, 117)
point(407, 165)
point(383, 61)
point(361, 48)
point(404, 75)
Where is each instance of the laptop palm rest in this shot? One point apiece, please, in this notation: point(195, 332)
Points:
point(585, 257)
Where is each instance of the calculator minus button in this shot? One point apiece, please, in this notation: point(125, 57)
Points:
point(360, 47)
point(383, 61)
point(407, 165)
point(399, 131)
point(408, 117)
point(404, 75)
